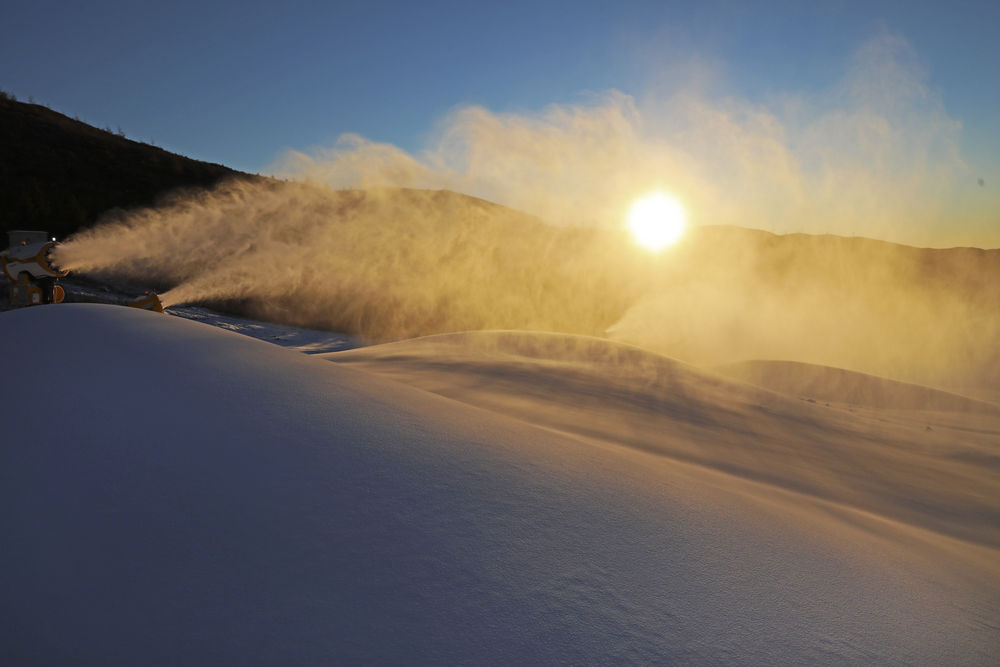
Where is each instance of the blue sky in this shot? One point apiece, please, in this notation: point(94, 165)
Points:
point(240, 83)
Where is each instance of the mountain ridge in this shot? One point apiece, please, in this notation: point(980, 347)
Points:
point(61, 174)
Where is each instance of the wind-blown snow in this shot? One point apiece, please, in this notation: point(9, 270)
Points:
point(174, 493)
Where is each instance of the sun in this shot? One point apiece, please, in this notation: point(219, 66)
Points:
point(656, 221)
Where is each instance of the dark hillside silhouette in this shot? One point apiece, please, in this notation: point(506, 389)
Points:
point(59, 174)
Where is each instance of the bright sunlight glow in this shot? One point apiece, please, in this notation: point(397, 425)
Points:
point(656, 221)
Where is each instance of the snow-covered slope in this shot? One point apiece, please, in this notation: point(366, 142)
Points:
point(174, 493)
point(934, 469)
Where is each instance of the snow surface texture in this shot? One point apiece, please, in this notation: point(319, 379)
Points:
point(309, 341)
point(172, 492)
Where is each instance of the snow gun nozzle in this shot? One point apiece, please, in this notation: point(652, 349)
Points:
point(148, 301)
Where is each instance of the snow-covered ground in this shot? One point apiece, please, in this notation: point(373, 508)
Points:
point(174, 493)
point(309, 341)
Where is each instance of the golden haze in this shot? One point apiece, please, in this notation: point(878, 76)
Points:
point(392, 263)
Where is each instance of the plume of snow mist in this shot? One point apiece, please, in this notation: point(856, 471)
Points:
point(395, 263)
point(383, 263)
point(930, 316)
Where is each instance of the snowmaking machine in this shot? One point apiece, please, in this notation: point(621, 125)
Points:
point(148, 301)
point(28, 267)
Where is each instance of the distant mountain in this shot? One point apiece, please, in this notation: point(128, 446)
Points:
point(59, 174)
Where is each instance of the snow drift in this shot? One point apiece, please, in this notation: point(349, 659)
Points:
point(173, 493)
